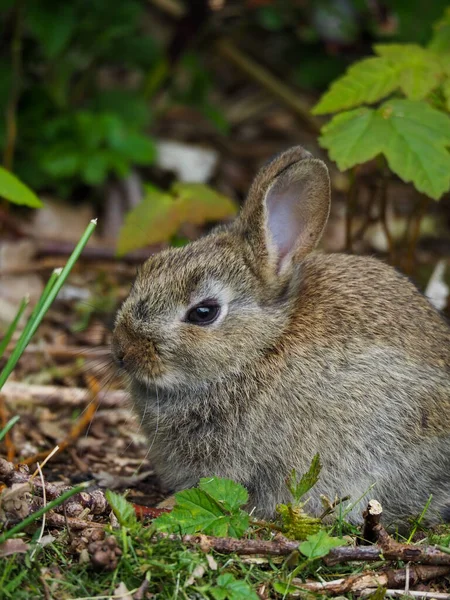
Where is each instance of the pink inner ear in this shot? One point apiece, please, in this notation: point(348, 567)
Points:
point(285, 215)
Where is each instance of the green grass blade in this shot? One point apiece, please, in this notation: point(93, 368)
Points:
point(48, 296)
point(8, 426)
point(11, 329)
point(36, 515)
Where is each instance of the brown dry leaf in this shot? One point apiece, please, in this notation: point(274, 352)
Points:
point(14, 546)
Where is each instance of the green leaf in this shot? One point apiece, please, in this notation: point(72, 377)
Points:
point(440, 42)
point(319, 544)
point(160, 214)
point(226, 492)
point(123, 510)
point(307, 481)
point(196, 510)
point(198, 203)
point(413, 136)
point(13, 190)
point(230, 588)
point(419, 69)
point(365, 82)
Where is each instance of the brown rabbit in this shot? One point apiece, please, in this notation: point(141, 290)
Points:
point(248, 353)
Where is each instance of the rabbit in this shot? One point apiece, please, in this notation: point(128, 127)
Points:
point(248, 352)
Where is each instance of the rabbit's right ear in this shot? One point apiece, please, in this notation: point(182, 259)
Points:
point(286, 210)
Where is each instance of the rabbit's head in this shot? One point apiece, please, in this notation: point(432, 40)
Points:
point(202, 312)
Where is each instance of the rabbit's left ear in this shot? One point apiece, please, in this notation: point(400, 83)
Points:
point(287, 209)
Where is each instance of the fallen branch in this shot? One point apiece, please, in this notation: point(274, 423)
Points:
point(369, 581)
point(52, 395)
point(281, 546)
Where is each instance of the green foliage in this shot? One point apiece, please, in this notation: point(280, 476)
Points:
point(85, 86)
point(160, 214)
point(299, 488)
point(413, 134)
point(230, 588)
point(297, 524)
point(15, 191)
point(123, 509)
point(319, 544)
point(213, 508)
point(88, 146)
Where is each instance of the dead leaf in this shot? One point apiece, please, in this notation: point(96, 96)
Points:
point(122, 592)
point(13, 546)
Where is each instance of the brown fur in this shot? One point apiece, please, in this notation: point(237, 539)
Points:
point(335, 354)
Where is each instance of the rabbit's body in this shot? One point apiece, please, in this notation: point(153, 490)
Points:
point(337, 354)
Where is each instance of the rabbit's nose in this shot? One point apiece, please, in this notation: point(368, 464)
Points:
point(120, 359)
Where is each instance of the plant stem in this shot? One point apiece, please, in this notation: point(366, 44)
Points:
point(9, 425)
point(48, 296)
point(16, 73)
point(13, 326)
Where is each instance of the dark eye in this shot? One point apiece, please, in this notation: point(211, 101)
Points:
point(203, 314)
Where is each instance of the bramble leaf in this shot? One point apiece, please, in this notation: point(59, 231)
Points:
point(413, 136)
point(365, 82)
point(319, 544)
point(227, 493)
point(160, 214)
point(13, 190)
point(199, 510)
point(230, 588)
point(298, 488)
point(123, 509)
point(419, 69)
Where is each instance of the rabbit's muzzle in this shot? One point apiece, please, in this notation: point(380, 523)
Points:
point(138, 356)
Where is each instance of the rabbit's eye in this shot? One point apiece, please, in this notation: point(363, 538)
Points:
point(203, 314)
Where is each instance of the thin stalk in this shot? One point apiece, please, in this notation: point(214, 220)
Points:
point(41, 511)
point(9, 425)
point(50, 292)
point(13, 326)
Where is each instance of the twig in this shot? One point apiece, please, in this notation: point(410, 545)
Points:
point(372, 516)
point(228, 50)
point(415, 233)
point(383, 217)
point(351, 199)
point(370, 580)
point(16, 71)
point(416, 594)
point(52, 395)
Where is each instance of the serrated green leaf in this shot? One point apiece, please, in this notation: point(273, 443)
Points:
point(413, 136)
point(227, 493)
point(350, 137)
point(160, 214)
point(319, 544)
point(307, 481)
point(365, 82)
point(13, 190)
point(123, 510)
point(419, 69)
point(440, 42)
point(230, 588)
point(196, 511)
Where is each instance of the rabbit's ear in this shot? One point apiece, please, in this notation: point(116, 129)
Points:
point(287, 209)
